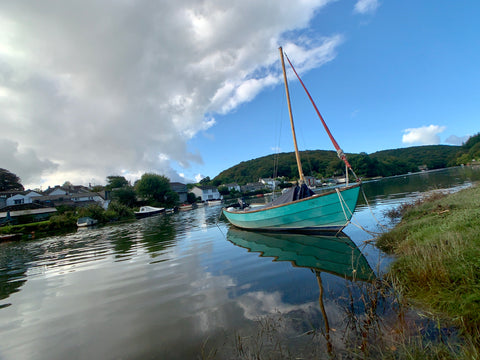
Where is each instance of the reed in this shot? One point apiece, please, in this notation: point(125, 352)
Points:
point(437, 245)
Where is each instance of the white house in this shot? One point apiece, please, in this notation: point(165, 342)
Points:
point(233, 186)
point(206, 192)
point(84, 197)
point(270, 183)
point(22, 198)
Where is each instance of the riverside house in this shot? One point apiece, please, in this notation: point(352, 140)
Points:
point(206, 193)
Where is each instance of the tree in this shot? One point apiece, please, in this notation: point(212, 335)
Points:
point(125, 196)
point(223, 190)
point(205, 180)
point(9, 181)
point(153, 186)
point(114, 182)
point(191, 198)
point(171, 198)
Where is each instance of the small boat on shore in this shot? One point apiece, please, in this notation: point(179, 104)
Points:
point(10, 237)
point(146, 211)
point(86, 221)
point(185, 207)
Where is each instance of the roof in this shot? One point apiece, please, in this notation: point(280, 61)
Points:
point(206, 187)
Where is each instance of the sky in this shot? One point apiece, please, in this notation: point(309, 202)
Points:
point(189, 88)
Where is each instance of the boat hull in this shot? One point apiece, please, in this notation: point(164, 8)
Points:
point(147, 211)
point(323, 212)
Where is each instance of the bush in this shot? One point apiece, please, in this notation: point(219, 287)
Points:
point(94, 211)
point(62, 221)
point(117, 211)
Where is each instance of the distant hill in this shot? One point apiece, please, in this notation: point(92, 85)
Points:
point(324, 164)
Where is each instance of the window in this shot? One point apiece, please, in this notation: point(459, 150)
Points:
point(18, 201)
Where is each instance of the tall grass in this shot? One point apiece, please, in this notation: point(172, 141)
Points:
point(437, 244)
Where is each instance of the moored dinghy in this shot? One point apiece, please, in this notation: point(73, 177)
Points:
point(300, 208)
point(146, 211)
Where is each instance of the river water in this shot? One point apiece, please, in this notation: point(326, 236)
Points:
point(187, 286)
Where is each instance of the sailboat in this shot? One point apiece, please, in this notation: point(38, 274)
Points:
point(300, 208)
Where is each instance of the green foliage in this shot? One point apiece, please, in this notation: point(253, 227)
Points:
point(115, 182)
point(118, 211)
point(223, 190)
point(171, 198)
point(205, 180)
point(438, 248)
point(191, 198)
point(325, 164)
point(125, 195)
point(470, 150)
point(153, 187)
point(94, 211)
point(97, 188)
point(9, 181)
point(66, 220)
point(402, 161)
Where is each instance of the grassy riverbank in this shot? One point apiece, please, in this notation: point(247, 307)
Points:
point(437, 244)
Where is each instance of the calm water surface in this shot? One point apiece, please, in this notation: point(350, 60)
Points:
point(186, 286)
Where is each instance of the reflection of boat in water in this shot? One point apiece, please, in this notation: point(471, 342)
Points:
point(337, 255)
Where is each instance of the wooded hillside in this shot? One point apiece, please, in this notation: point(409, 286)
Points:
point(325, 164)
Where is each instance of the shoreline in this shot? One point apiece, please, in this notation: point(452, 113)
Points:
point(437, 248)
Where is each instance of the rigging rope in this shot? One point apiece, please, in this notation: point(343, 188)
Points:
point(343, 202)
point(340, 152)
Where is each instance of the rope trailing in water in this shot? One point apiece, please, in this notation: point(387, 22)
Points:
point(344, 203)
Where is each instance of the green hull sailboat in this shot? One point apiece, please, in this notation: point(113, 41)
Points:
point(300, 208)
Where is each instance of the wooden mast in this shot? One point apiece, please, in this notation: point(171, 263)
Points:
point(297, 154)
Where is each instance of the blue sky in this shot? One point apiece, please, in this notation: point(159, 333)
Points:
point(189, 88)
point(405, 74)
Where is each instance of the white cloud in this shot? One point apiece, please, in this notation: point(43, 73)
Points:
point(366, 6)
point(425, 135)
point(93, 88)
point(457, 140)
point(24, 160)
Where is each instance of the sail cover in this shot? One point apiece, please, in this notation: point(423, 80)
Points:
point(293, 194)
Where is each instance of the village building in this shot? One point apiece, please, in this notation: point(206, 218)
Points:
point(181, 190)
point(206, 193)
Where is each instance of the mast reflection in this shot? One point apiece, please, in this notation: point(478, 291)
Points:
point(334, 254)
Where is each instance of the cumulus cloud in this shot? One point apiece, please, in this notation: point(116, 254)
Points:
point(90, 89)
point(425, 135)
point(24, 160)
point(457, 140)
point(366, 6)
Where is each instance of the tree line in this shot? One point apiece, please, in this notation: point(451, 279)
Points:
point(150, 189)
point(155, 189)
point(325, 164)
